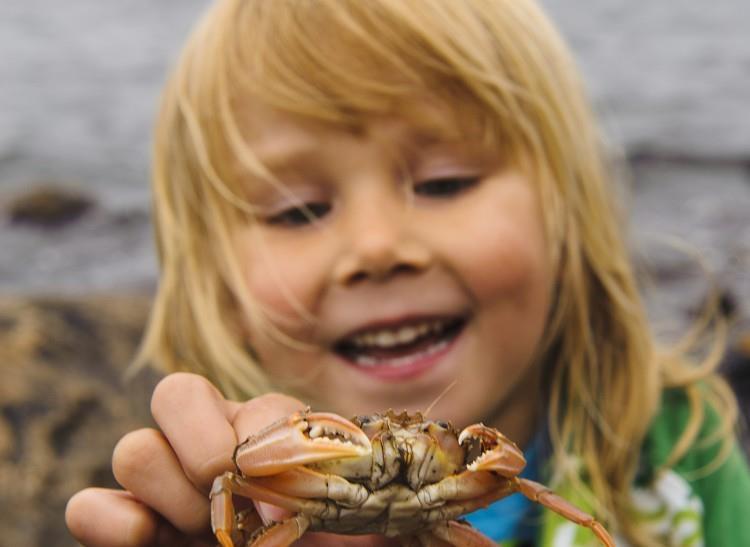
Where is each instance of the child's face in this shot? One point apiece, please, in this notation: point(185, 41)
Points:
point(426, 265)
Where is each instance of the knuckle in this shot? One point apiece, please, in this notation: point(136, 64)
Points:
point(134, 452)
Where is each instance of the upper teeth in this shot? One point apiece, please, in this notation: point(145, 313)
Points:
point(386, 338)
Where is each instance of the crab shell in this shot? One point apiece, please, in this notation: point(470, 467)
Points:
point(399, 475)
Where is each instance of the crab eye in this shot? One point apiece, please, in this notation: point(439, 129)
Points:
point(444, 425)
point(362, 420)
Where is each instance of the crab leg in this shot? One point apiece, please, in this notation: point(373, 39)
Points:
point(279, 534)
point(302, 482)
point(460, 505)
point(224, 522)
point(293, 489)
point(249, 520)
point(222, 509)
point(455, 509)
point(466, 486)
point(543, 495)
point(461, 535)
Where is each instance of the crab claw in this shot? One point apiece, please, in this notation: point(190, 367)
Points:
point(301, 438)
point(496, 452)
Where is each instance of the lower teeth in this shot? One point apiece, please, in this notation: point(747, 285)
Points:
point(367, 361)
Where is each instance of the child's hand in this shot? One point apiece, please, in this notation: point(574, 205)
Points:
point(167, 474)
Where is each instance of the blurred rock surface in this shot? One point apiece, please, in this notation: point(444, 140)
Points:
point(48, 206)
point(63, 405)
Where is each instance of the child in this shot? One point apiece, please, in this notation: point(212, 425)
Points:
point(360, 203)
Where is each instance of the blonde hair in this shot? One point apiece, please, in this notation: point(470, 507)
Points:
point(499, 62)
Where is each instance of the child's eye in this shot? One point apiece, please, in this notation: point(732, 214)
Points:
point(444, 187)
point(299, 216)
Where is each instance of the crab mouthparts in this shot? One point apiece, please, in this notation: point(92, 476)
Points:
point(389, 345)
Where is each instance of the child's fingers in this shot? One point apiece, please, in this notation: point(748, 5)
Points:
point(144, 464)
point(203, 428)
point(99, 517)
point(196, 421)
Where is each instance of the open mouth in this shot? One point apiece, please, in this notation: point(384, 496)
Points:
point(399, 345)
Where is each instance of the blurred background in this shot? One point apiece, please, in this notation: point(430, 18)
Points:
point(79, 88)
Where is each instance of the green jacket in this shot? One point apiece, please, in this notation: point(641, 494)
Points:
point(690, 504)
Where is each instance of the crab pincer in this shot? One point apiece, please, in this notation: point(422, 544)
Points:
point(497, 452)
point(501, 455)
point(301, 438)
point(269, 468)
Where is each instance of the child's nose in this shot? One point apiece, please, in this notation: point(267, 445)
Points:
point(378, 247)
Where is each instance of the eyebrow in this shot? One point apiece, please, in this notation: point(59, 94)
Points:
point(423, 130)
point(429, 137)
point(292, 148)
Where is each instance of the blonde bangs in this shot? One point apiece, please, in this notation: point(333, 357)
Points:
point(344, 61)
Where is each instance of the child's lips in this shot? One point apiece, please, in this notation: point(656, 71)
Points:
point(400, 350)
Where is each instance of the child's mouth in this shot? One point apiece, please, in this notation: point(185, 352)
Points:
point(402, 347)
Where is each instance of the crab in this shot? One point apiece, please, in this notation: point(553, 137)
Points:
point(399, 475)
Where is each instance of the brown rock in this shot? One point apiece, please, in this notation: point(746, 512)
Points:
point(63, 405)
point(49, 206)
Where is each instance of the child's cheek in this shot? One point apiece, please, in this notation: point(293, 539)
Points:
point(515, 262)
point(503, 252)
point(281, 279)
